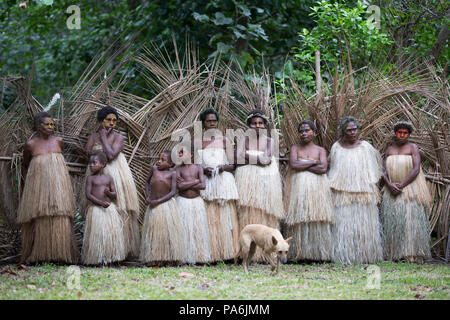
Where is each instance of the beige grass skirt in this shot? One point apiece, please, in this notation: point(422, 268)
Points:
point(356, 234)
point(405, 224)
point(48, 189)
point(310, 241)
point(103, 240)
point(49, 239)
point(162, 234)
point(127, 201)
point(309, 217)
point(223, 229)
point(46, 211)
point(194, 222)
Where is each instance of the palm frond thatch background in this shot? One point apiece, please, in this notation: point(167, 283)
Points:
point(181, 87)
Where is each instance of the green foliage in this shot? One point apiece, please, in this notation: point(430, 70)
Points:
point(254, 33)
point(339, 28)
point(415, 26)
point(251, 32)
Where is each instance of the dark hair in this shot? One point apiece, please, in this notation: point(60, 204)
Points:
point(103, 112)
point(403, 125)
point(344, 122)
point(308, 122)
point(256, 113)
point(38, 118)
point(101, 156)
point(206, 112)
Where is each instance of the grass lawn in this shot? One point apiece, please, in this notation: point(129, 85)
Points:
point(226, 281)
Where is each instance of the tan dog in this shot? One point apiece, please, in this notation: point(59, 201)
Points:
point(269, 239)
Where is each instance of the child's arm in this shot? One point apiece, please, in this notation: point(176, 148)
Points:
point(173, 189)
point(202, 183)
point(147, 186)
point(91, 197)
point(111, 191)
point(183, 184)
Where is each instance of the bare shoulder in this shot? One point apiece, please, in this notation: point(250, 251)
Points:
point(118, 137)
point(30, 143)
point(389, 150)
point(320, 149)
point(58, 139)
point(89, 178)
point(413, 146)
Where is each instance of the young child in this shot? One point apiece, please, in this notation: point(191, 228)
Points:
point(103, 237)
point(194, 221)
point(162, 235)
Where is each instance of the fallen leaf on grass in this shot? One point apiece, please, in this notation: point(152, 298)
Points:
point(186, 275)
point(31, 286)
point(8, 270)
point(22, 267)
point(79, 294)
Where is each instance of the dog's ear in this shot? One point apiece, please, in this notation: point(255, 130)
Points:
point(274, 241)
point(288, 239)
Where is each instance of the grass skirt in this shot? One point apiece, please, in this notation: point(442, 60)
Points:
point(194, 223)
point(127, 201)
point(353, 176)
point(310, 241)
point(405, 223)
point(103, 240)
point(223, 230)
point(46, 210)
point(310, 199)
point(162, 234)
point(260, 187)
point(356, 234)
point(48, 190)
point(49, 239)
point(355, 170)
point(309, 215)
point(220, 195)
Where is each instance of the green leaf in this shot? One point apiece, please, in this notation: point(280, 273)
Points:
point(200, 17)
point(245, 11)
point(221, 19)
point(222, 47)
